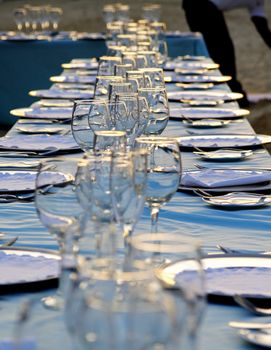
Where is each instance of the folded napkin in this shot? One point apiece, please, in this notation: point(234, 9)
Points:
point(26, 344)
point(22, 268)
point(210, 178)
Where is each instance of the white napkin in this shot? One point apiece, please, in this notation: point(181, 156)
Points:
point(210, 178)
point(22, 268)
point(254, 281)
point(26, 344)
point(220, 141)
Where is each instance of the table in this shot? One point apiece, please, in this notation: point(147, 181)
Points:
point(186, 214)
point(28, 65)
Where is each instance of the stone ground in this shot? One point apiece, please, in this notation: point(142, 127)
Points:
point(253, 57)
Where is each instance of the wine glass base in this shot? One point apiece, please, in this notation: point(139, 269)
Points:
point(55, 302)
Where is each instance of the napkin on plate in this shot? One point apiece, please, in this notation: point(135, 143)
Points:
point(211, 178)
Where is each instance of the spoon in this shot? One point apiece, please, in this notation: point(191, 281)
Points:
point(9, 242)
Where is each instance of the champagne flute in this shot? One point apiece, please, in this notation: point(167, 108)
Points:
point(164, 171)
point(59, 210)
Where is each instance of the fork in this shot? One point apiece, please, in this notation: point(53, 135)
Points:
point(248, 305)
point(9, 242)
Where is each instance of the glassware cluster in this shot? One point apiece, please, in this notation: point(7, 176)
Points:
point(111, 288)
point(37, 18)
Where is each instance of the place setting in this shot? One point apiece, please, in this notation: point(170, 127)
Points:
point(55, 93)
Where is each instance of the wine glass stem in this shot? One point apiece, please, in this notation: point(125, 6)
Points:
point(154, 218)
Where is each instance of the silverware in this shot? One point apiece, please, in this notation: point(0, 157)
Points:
point(9, 198)
point(248, 305)
point(227, 250)
point(9, 242)
point(249, 325)
point(203, 167)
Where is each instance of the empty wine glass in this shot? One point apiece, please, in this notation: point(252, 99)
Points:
point(19, 18)
point(159, 109)
point(109, 140)
point(164, 171)
point(59, 210)
point(121, 69)
point(128, 184)
point(116, 88)
point(55, 16)
point(101, 88)
point(107, 65)
point(154, 76)
point(87, 116)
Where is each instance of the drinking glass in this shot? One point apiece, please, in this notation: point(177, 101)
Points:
point(166, 252)
point(19, 15)
point(128, 184)
point(60, 212)
point(121, 69)
point(109, 13)
point(152, 12)
point(116, 88)
point(154, 76)
point(164, 171)
point(55, 16)
point(101, 88)
point(159, 109)
point(109, 140)
point(124, 307)
point(107, 64)
point(87, 116)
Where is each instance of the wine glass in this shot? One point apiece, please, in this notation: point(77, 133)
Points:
point(109, 140)
point(59, 210)
point(101, 88)
point(19, 18)
point(127, 185)
point(155, 77)
point(87, 116)
point(166, 253)
point(115, 88)
point(107, 65)
point(159, 109)
point(164, 171)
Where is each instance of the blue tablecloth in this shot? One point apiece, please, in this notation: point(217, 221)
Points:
point(28, 65)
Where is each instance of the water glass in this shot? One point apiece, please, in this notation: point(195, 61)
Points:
point(107, 64)
point(111, 140)
point(101, 88)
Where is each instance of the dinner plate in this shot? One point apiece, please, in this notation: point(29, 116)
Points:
point(80, 65)
point(192, 86)
point(206, 123)
point(72, 78)
point(223, 141)
point(224, 155)
point(71, 86)
point(25, 270)
point(226, 275)
point(51, 129)
point(39, 143)
point(202, 113)
point(238, 200)
point(193, 78)
point(43, 112)
point(65, 94)
point(54, 103)
point(12, 181)
point(188, 63)
point(203, 95)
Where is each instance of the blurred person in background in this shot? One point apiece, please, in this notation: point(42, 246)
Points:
point(206, 16)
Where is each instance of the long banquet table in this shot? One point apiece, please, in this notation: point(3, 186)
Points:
point(185, 213)
point(28, 65)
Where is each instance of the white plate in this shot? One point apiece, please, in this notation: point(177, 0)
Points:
point(24, 181)
point(223, 141)
point(22, 269)
point(226, 276)
point(257, 337)
point(237, 200)
point(43, 112)
point(66, 94)
point(40, 142)
point(188, 78)
point(203, 95)
point(192, 86)
point(80, 65)
point(72, 78)
point(224, 155)
point(54, 103)
point(71, 86)
point(202, 113)
point(188, 63)
point(51, 129)
point(206, 123)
